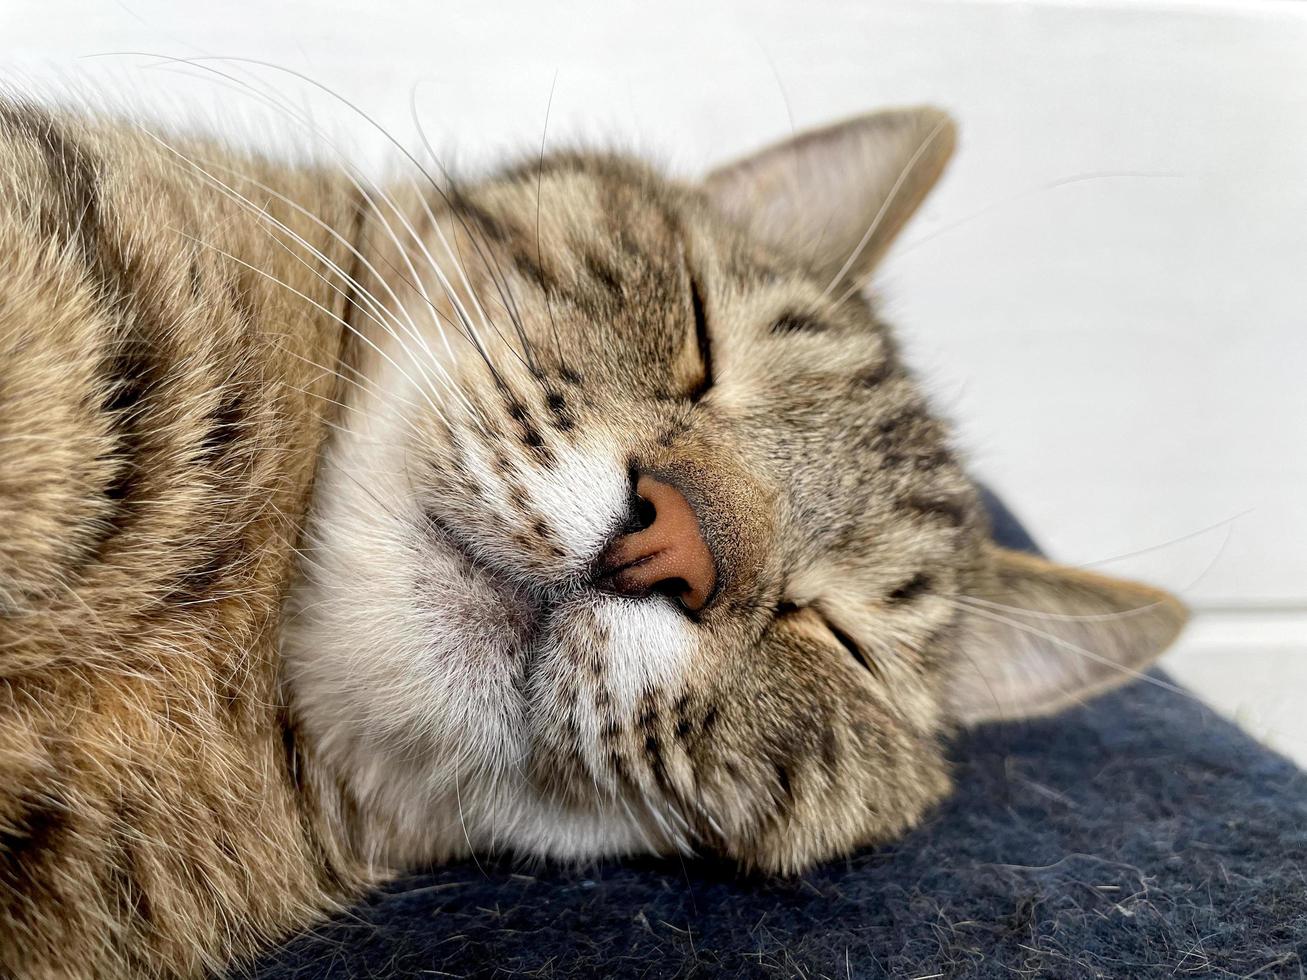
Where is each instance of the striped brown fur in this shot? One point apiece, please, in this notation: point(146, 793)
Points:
point(160, 414)
point(305, 490)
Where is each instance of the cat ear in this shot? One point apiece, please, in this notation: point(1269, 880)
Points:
point(1043, 636)
point(839, 195)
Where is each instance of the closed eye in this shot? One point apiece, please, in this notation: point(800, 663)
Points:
point(702, 340)
point(842, 638)
point(855, 651)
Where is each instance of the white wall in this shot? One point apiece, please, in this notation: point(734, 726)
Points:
point(1106, 293)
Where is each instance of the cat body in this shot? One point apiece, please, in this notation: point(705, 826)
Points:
point(571, 512)
point(162, 411)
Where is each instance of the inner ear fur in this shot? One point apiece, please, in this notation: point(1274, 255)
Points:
point(838, 196)
point(1039, 637)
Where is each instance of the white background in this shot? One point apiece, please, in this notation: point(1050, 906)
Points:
point(1106, 292)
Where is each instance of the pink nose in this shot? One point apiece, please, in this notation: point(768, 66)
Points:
point(667, 554)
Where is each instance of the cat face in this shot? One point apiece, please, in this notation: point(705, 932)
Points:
point(637, 534)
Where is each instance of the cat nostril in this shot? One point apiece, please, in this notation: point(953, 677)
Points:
point(645, 513)
point(665, 553)
point(673, 588)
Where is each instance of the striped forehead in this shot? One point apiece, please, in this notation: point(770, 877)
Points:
point(595, 251)
point(575, 207)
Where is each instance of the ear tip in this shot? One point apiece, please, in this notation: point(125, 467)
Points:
point(936, 114)
point(1167, 615)
point(922, 117)
point(923, 125)
point(1178, 612)
point(928, 117)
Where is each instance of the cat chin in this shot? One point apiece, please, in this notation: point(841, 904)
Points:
point(508, 818)
point(448, 764)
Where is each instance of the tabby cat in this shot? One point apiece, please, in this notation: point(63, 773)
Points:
point(574, 511)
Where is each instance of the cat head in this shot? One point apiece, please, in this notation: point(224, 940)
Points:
point(636, 533)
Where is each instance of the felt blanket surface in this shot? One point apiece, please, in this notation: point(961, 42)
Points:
point(1138, 836)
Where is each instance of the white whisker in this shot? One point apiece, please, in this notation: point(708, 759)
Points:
point(359, 291)
point(880, 214)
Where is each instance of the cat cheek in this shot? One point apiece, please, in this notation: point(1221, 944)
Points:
point(600, 667)
point(580, 496)
point(649, 647)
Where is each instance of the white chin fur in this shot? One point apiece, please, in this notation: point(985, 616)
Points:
point(406, 668)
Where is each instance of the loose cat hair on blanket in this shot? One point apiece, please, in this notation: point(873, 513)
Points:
point(569, 512)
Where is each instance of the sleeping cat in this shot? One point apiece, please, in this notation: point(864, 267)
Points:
point(574, 511)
